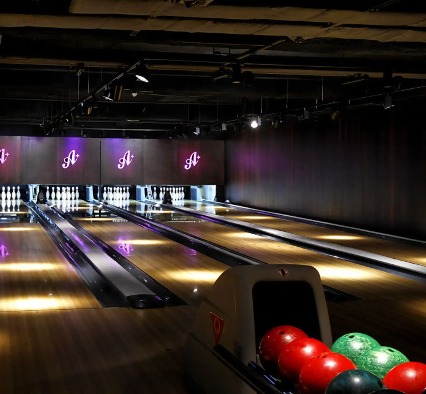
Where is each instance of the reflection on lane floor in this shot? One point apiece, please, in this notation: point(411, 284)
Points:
point(184, 271)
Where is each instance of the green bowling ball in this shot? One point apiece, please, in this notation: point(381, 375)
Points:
point(380, 360)
point(353, 344)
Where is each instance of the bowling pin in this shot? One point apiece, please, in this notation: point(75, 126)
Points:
point(53, 195)
point(18, 194)
point(3, 193)
point(77, 194)
point(8, 195)
point(37, 189)
point(58, 193)
point(47, 193)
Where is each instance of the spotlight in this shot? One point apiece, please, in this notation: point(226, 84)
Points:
point(305, 114)
point(108, 95)
point(141, 78)
point(142, 74)
point(197, 131)
point(113, 93)
point(387, 102)
point(236, 74)
point(254, 123)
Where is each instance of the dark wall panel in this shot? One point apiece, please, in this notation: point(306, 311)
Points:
point(159, 161)
point(199, 163)
point(10, 160)
point(72, 160)
point(38, 160)
point(183, 162)
point(366, 170)
point(121, 161)
point(78, 161)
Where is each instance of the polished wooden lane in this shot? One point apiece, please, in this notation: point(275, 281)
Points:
point(55, 337)
point(184, 271)
point(35, 275)
point(375, 291)
point(383, 298)
point(120, 350)
point(395, 249)
point(92, 351)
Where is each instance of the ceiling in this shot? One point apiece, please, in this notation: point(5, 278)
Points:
point(210, 62)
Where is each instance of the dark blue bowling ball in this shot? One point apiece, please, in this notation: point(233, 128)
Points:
point(354, 381)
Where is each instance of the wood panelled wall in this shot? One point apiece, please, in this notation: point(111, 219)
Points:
point(366, 169)
point(110, 161)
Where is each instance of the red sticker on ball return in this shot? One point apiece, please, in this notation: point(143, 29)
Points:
point(217, 324)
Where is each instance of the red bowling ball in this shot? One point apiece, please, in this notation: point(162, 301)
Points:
point(409, 377)
point(274, 341)
point(295, 354)
point(320, 370)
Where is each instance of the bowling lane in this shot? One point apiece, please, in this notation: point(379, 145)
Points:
point(182, 270)
point(53, 346)
point(391, 307)
point(35, 275)
point(395, 249)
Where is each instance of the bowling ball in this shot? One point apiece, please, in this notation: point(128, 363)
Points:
point(295, 354)
point(319, 370)
point(353, 344)
point(409, 377)
point(354, 381)
point(380, 360)
point(274, 341)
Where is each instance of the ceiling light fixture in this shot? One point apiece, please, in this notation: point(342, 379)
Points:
point(142, 74)
point(387, 103)
point(141, 78)
point(236, 74)
point(108, 95)
point(111, 91)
